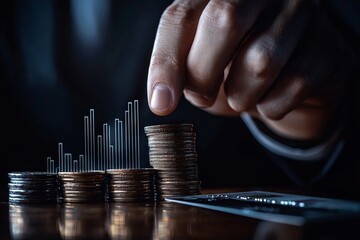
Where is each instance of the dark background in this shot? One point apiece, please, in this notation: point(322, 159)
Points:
point(57, 62)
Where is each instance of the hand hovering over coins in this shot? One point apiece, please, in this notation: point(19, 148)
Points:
point(279, 61)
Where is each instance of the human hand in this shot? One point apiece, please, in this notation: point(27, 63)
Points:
point(274, 59)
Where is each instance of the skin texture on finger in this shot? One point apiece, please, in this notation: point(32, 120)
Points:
point(221, 28)
point(309, 71)
point(220, 107)
point(305, 97)
point(264, 54)
point(309, 120)
point(166, 75)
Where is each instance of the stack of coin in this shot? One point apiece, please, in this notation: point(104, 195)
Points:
point(131, 185)
point(81, 186)
point(172, 152)
point(32, 187)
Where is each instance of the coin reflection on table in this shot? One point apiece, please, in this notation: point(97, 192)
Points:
point(130, 220)
point(28, 221)
point(85, 221)
point(174, 220)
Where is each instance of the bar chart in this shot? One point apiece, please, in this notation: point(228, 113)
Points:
point(117, 147)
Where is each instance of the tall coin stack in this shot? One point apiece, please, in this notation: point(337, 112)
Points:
point(172, 152)
point(131, 185)
point(32, 187)
point(81, 186)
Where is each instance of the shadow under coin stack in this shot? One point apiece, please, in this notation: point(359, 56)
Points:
point(172, 152)
point(81, 186)
point(131, 185)
point(32, 187)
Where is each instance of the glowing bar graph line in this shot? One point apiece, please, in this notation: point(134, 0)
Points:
point(81, 159)
point(99, 150)
point(136, 104)
point(126, 138)
point(103, 151)
point(92, 139)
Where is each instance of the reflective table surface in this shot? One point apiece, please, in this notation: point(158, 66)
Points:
point(160, 220)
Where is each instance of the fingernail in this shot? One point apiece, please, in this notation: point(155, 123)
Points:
point(161, 99)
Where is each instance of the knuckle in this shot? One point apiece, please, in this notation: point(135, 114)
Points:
point(262, 62)
point(238, 106)
point(223, 14)
point(301, 84)
point(236, 102)
point(179, 13)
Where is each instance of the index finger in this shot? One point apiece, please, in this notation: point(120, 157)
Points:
point(166, 75)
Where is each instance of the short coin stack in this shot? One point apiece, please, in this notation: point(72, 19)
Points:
point(172, 152)
point(81, 186)
point(32, 187)
point(131, 185)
